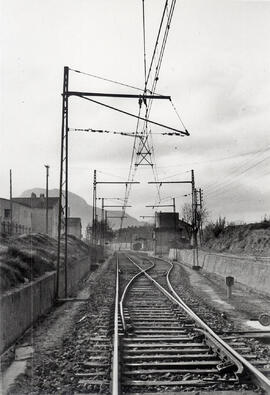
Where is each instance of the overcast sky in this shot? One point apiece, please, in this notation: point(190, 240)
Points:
point(216, 68)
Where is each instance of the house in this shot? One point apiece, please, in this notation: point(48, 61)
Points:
point(37, 206)
point(21, 217)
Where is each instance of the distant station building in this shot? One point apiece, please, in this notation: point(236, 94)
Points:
point(170, 232)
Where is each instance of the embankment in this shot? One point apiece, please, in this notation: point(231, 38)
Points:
point(253, 272)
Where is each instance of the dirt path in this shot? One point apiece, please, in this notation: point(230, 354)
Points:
point(245, 305)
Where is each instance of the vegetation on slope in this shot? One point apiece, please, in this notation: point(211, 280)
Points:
point(27, 257)
point(253, 239)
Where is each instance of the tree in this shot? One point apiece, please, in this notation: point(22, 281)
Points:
point(202, 214)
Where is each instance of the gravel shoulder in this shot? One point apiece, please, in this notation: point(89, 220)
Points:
point(245, 305)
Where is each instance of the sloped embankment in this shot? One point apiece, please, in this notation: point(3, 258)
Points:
point(25, 258)
point(251, 239)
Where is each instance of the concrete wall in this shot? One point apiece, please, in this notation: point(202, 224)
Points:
point(254, 272)
point(21, 307)
point(39, 220)
point(74, 227)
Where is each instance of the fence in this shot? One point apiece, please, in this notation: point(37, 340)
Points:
point(8, 229)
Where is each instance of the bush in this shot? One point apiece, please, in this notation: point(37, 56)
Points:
point(214, 229)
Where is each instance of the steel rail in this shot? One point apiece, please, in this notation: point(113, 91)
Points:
point(116, 389)
point(260, 378)
point(212, 338)
point(124, 294)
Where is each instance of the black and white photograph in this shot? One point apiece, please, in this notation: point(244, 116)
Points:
point(135, 197)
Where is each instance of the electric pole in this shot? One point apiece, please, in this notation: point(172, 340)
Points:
point(47, 198)
point(94, 233)
point(11, 202)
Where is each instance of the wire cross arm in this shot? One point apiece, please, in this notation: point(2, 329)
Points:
point(130, 134)
point(118, 95)
point(184, 133)
point(169, 182)
point(118, 182)
point(160, 205)
point(115, 206)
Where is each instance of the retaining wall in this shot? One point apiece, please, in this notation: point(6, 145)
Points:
point(21, 307)
point(254, 272)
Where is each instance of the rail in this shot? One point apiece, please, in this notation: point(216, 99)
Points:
point(116, 388)
point(207, 331)
point(125, 291)
point(259, 377)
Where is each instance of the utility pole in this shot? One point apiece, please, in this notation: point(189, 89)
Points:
point(175, 232)
point(94, 224)
point(11, 202)
point(47, 198)
point(201, 215)
point(102, 226)
point(63, 186)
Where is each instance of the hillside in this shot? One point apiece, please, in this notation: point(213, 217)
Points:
point(80, 208)
point(251, 239)
point(26, 257)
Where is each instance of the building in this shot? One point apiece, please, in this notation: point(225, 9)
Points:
point(74, 227)
point(21, 218)
point(29, 215)
point(37, 206)
point(170, 232)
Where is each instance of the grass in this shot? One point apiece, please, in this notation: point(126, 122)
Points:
point(26, 257)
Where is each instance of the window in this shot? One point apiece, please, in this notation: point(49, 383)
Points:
point(7, 213)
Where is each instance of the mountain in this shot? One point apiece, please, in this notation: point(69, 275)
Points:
point(80, 208)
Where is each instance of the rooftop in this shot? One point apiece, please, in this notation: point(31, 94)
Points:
point(37, 202)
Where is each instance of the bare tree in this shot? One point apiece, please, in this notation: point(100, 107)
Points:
point(202, 214)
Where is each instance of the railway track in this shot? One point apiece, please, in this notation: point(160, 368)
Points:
point(157, 344)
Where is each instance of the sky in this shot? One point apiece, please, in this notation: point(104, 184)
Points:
point(216, 68)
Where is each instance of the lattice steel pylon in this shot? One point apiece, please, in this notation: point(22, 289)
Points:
point(63, 187)
point(144, 152)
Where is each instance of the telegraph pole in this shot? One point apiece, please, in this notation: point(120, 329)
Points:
point(194, 222)
point(201, 214)
point(63, 187)
point(94, 233)
point(102, 223)
point(47, 199)
point(11, 202)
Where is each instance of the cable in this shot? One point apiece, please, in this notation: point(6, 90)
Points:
point(178, 115)
point(222, 189)
point(109, 80)
point(130, 134)
point(133, 115)
point(157, 40)
point(212, 187)
point(144, 45)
